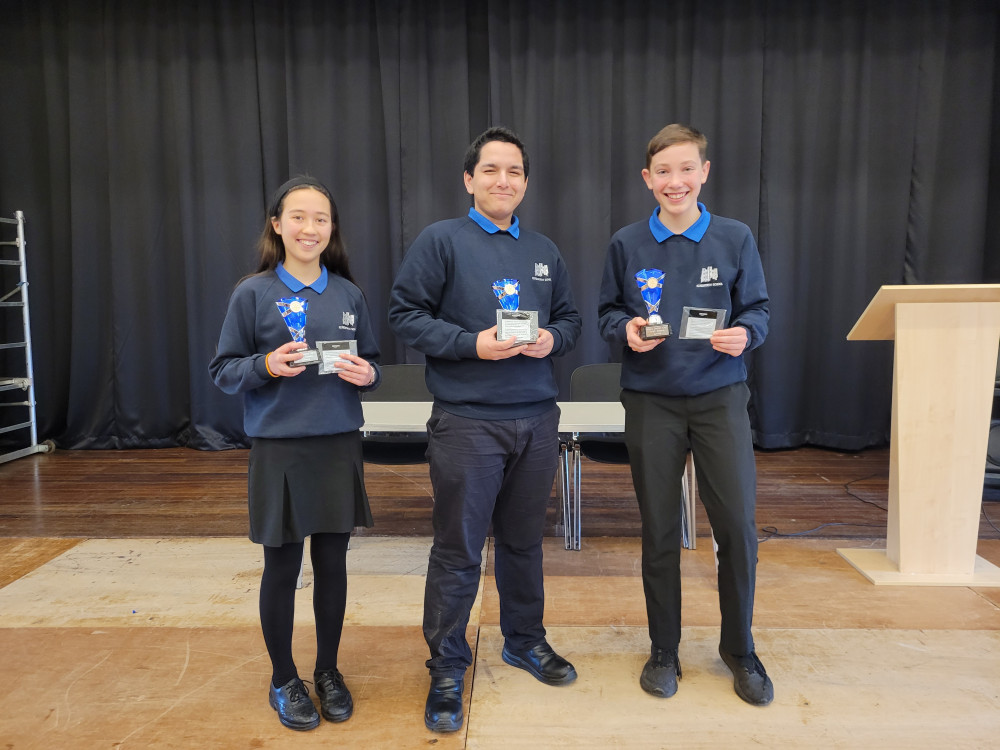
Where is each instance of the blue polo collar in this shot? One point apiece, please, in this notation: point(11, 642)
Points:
point(318, 286)
point(514, 230)
point(694, 232)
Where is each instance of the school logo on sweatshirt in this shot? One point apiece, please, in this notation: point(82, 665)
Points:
point(347, 323)
point(541, 272)
point(709, 277)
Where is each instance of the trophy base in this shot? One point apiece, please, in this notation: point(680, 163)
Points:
point(521, 324)
point(654, 331)
point(309, 357)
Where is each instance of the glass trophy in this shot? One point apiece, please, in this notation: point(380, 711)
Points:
point(521, 324)
point(293, 310)
point(650, 281)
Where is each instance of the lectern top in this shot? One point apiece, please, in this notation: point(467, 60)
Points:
point(878, 322)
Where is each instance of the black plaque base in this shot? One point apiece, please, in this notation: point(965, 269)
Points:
point(654, 331)
point(309, 357)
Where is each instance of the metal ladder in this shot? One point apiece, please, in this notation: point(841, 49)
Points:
point(18, 297)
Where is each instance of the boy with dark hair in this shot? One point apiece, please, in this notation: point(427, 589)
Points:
point(493, 430)
point(684, 389)
point(496, 134)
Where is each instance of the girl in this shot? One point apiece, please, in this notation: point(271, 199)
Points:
point(305, 469)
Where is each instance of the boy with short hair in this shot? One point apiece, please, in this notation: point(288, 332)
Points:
point(702, 276)
point(493, 430)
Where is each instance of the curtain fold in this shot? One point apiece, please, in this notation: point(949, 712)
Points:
point(859, 141)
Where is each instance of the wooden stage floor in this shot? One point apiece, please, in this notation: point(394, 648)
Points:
point(180, 492)
point(128, 619)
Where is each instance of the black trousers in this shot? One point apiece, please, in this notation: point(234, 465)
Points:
point(482, 472)
point(659, 430)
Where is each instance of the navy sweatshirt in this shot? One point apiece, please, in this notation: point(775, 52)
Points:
point(714, 264)
point(443, 297)
point(309, 403)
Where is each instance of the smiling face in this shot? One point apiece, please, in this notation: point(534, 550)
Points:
point(675, 176)
point(498, 183)
point(305, 226)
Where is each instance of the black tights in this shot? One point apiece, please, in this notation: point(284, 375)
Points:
point(328, 553)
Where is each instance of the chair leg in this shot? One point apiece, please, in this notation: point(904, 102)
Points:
point(685, 537)
point(569, 493)
point(689, 496)
point(577, 497)
point(564, 498)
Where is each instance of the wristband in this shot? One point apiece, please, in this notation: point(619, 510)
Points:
point(266, 366)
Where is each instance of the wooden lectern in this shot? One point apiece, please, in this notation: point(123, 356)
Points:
point(943, 375)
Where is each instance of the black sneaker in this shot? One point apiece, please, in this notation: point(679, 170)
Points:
point(295, 709)
point(335, 700)
point(749, 678)
point(659, 676)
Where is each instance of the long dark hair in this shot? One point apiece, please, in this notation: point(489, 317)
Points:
point(270, 246)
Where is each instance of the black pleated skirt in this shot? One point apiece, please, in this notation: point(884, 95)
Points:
point(303, 486)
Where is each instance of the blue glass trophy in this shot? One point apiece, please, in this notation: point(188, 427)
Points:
point(293, 310)
point(521, 324)
point(650, 281)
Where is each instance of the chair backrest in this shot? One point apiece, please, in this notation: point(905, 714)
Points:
point(599, 383)
point(400, 383)
point(996, 390)
point(992, 479)
point(596, 382)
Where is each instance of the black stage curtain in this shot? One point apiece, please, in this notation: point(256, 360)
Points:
point(860, 141)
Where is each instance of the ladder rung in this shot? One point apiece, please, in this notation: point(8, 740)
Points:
point(12, 346)
point(11, 304)
point(13, 427)
point(9, 262)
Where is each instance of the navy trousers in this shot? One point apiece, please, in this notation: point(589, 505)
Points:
point(482, 472)
point(659, 430)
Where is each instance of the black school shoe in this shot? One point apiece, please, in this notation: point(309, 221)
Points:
point(443, 712)
point(294, 707)
point(749, 678)
point(541, 662)
point(335, 700)
point(659, 675)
